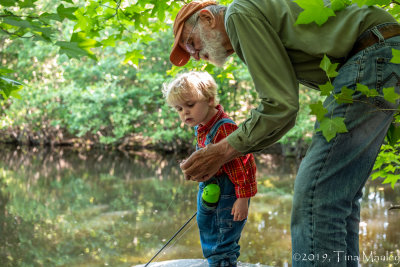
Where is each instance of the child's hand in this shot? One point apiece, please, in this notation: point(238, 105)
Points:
point(240, 209)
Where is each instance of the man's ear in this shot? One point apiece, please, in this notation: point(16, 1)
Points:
point(207, 18)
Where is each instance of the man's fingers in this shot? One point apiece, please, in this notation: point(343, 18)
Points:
point(204, 178)
point(197, 178)
point(187, 163)
point(183, 165)
point(196, 173)
point(200, 166)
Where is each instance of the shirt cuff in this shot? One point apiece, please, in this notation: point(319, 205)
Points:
point(249, 190)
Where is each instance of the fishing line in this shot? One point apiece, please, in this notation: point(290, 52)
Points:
point(169, 241)
point(183, 226)
point(177, 239)
point(169, 205)
point(160, 221)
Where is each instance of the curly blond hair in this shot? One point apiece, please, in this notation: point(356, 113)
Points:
point(191, 84)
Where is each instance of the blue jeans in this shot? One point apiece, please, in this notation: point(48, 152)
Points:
point(219, 234)
point(329, 183)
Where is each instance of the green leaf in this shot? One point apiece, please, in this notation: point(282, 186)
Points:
point(344, 96)
point(133, 57)
point(328, 67)
point(26, 3)
point(9, 88)
point(84, 42)
point(46, 17)
point(330, 127)
point(314, 11)
point(5, 71)
point(318, 110)
point(391, 179)
point(396, 56)
point(7, 2)
point(393, 134)
point(326, 89)
point(381, 2)
point(66, 12)
point(366, 91)
point(390, 95)
point(84, 22)
point(110, 41)
point(361, 3)
point(10, 81)
point(15, 21)
point(338, 5)
point(73, 50)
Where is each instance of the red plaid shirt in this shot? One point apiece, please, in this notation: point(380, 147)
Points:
point(241, 170)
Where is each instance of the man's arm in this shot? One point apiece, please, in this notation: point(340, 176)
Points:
point(258, 44)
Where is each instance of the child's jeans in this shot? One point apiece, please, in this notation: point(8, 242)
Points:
point(219, 234)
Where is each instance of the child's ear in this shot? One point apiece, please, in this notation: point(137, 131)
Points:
point(211, 101)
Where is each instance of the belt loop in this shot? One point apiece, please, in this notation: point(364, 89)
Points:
point(378, 34)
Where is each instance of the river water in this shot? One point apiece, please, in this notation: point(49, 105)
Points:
point(99, 208)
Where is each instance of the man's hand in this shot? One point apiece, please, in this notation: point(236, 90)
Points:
point(204, 163)
point(240, 209)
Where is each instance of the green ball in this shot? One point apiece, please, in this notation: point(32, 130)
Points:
point(211, 193)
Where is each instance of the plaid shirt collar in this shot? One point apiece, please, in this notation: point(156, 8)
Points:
point(207, 127)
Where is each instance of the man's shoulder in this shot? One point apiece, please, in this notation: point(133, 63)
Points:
point(240, 7)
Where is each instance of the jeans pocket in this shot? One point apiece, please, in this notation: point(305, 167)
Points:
point(224, 212)
point(204, 208)
point(387, 76)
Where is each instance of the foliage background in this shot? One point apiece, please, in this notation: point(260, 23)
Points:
point(115, 96)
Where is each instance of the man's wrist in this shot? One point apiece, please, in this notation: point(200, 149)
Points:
point(226, 151)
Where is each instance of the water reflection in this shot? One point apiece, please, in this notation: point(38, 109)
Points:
point(98, 208)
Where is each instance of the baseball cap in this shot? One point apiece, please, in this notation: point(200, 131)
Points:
point(179, 56)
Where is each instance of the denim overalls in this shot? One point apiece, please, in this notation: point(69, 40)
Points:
point(219, 234)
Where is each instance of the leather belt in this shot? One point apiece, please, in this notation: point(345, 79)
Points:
point(368, 38)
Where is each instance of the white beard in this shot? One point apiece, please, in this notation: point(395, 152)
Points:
point(212, 46)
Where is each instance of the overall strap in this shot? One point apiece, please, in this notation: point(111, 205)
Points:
point(195, 134)
point(211, 134)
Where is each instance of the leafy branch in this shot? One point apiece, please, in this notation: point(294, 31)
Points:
point(331, 126)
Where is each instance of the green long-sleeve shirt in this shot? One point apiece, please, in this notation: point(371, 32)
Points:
point(280, 54)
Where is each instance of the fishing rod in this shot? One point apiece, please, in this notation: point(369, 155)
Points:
point(209, 197)
point(169, 241)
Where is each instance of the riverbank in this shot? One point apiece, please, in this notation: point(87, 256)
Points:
point(131, 143)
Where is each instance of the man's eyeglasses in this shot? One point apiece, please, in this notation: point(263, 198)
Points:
point(189, 47)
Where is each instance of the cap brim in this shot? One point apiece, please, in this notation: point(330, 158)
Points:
point(179, 57)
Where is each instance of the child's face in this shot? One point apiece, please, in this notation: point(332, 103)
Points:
point(193, 111)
